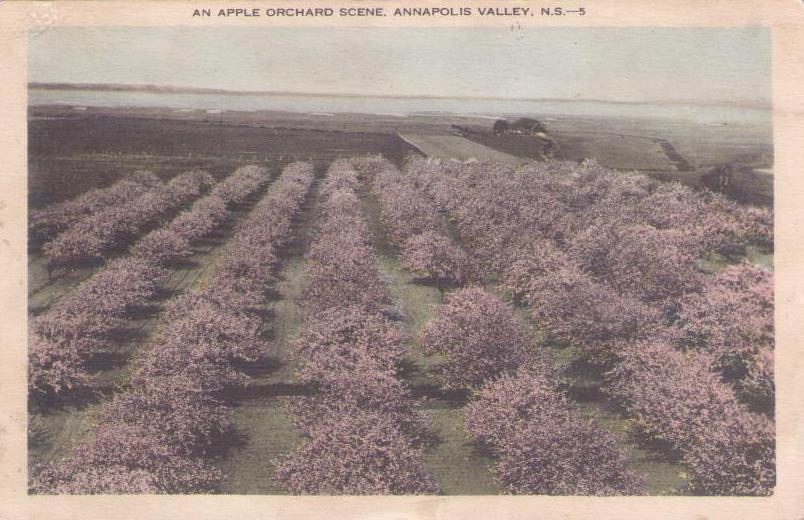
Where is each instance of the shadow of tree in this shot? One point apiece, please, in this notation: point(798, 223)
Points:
point(107, 360)
point(454, 398)
point(269, 390)
point(78, 399)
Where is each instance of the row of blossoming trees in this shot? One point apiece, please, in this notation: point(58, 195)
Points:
point(609, 265)
point(66, 335)
point(154, 436)
point(415, 227)
point(364, 430)
point(543, 445)
point(44, 224)
point(99, 233)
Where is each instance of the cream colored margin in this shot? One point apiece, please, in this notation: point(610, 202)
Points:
point(786, 17)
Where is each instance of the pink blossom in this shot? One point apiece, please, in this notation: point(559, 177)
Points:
point(543, 445)
point(46, 223)
point(675, 398)
point(732, 318)
point(479, 338)
point(363, 454)
point(95, 235)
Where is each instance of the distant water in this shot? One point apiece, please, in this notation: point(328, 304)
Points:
point(396, 106)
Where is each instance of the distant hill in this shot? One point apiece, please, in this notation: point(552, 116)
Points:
point(124, 87)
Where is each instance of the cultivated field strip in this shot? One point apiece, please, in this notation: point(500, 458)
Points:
point(155, 436)
point(48, 222)
point(65, 337)
point(606, 262)
point(446, 146)
point(364, 430)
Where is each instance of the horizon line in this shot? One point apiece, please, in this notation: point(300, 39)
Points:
point(123, 87)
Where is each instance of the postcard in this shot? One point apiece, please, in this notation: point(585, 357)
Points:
point(400, 259)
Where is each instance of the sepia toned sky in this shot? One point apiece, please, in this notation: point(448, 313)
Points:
point(617, 64)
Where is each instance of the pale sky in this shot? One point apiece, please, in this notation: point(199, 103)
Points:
point(619, 64)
